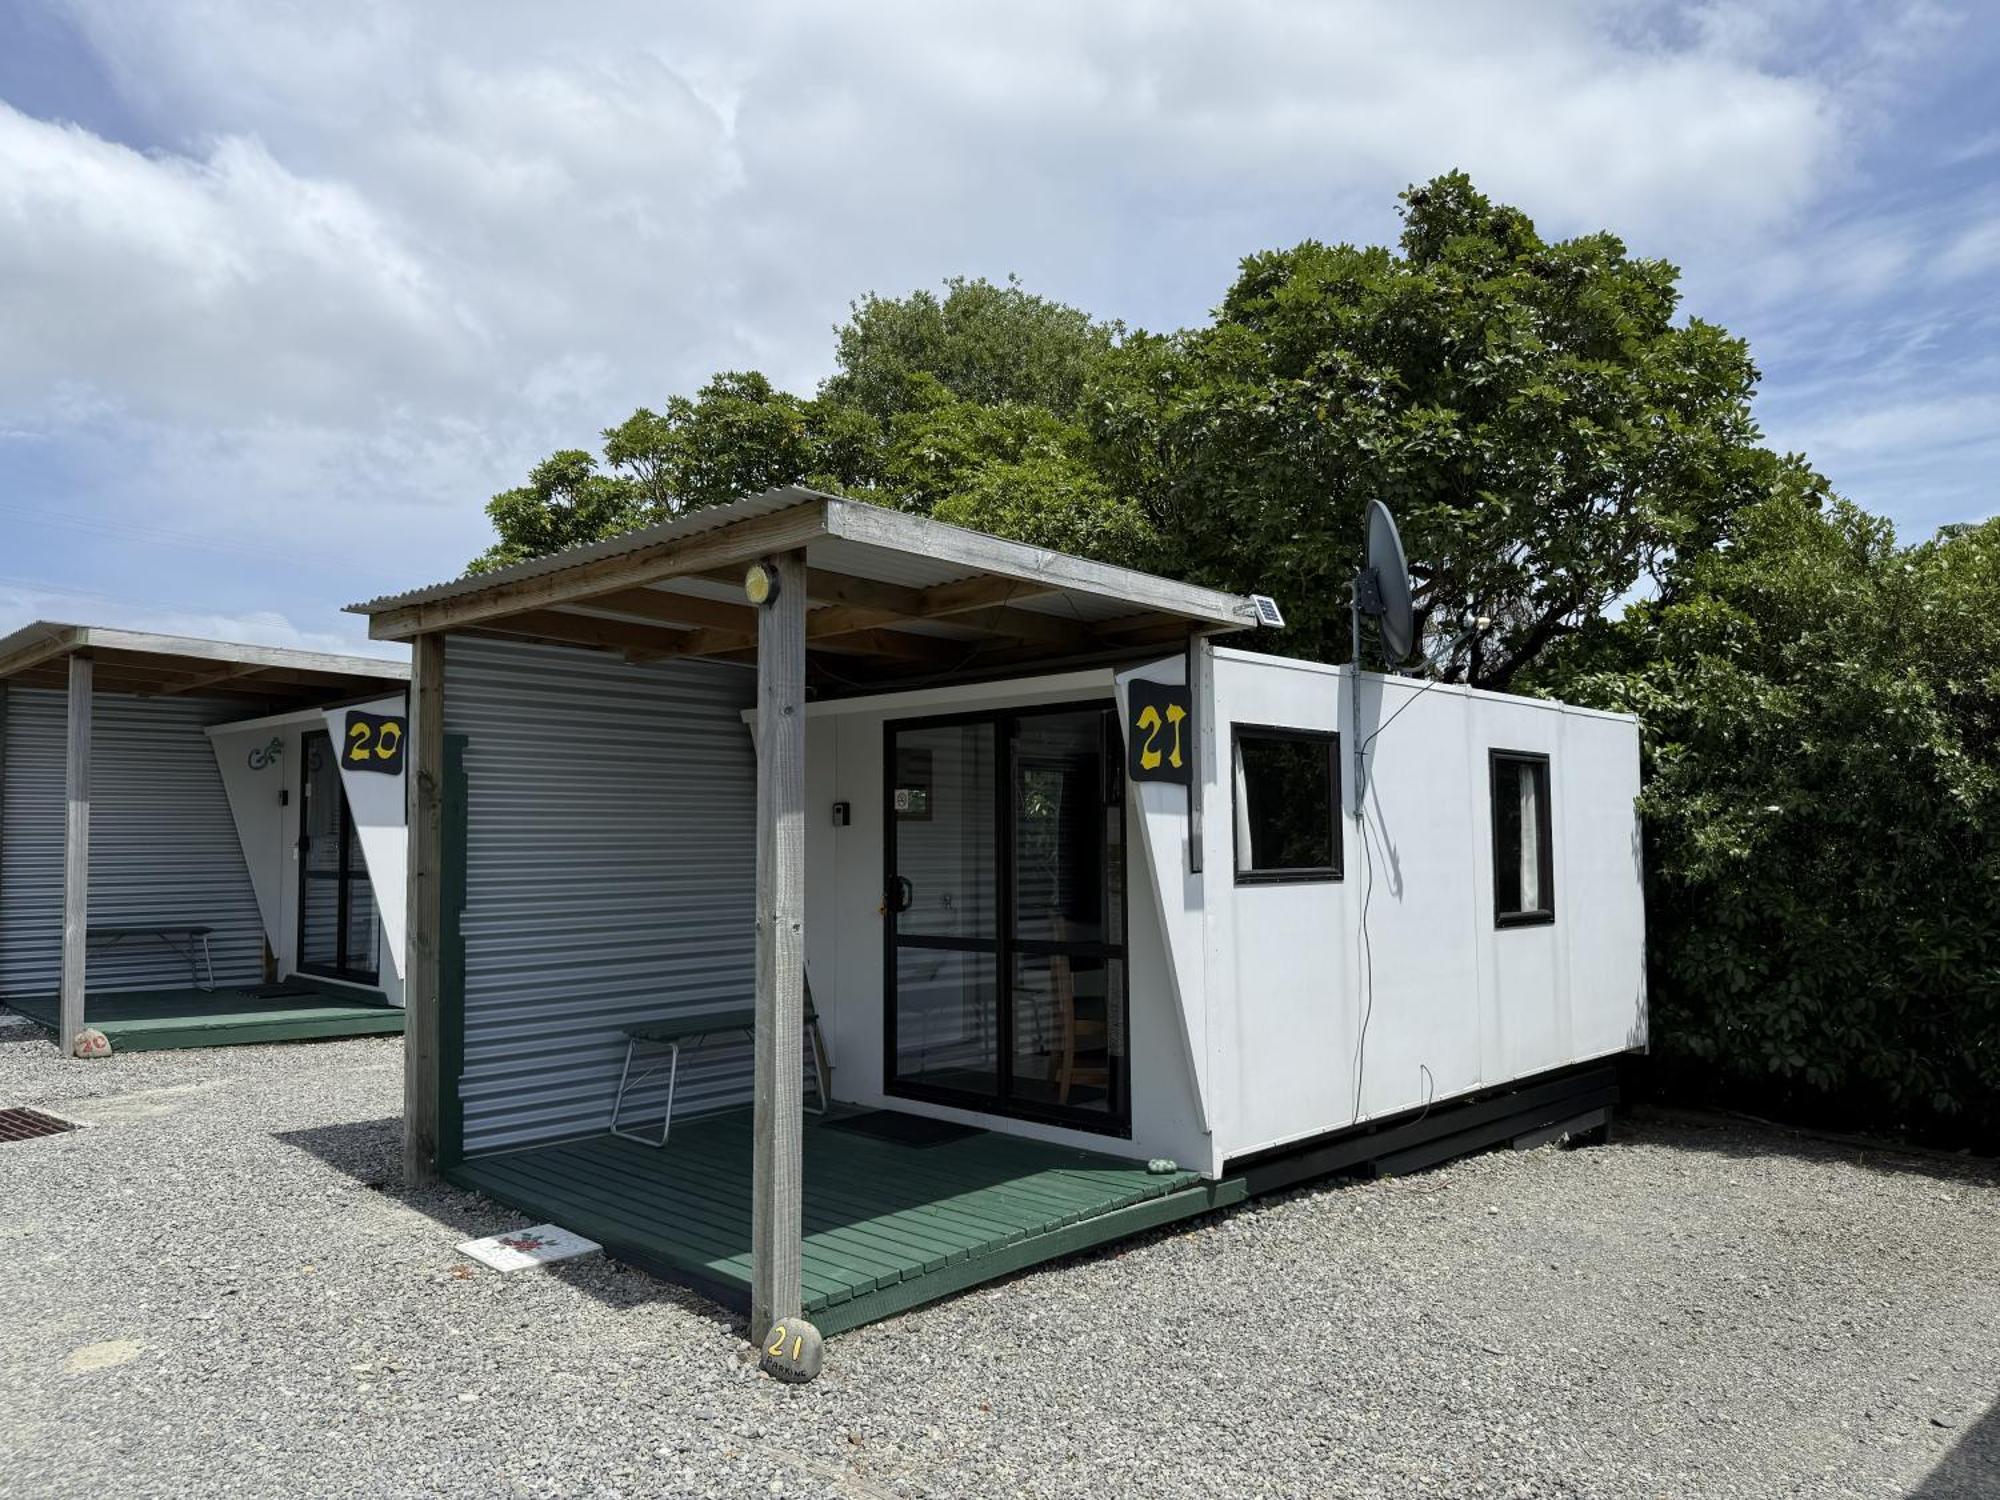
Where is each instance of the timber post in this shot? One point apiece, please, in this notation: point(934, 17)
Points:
point(776, 1177)
point(76, 853)
point(425, 770)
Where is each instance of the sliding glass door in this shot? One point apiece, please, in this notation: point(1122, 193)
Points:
point(1006, 915)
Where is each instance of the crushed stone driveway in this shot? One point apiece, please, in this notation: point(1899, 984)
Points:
point(218, 1288)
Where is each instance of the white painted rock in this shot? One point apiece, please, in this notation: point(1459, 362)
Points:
point(90, 1042)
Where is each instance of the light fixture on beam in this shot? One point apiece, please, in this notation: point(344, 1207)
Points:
point(760, 583)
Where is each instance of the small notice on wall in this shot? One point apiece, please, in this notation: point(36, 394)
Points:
point(374, 742)
point(1159, 732)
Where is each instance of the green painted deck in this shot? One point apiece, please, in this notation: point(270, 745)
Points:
point(888, 1226)
point(152, 1020)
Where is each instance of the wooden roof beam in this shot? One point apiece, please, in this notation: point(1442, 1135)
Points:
point(936, 602)
point(233, 674)
point(736, 544)
point(586, 630)
point(687, 610)
point(35, 653)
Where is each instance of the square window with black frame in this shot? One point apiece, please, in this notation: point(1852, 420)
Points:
point(1524, 885)
point(1287, 796)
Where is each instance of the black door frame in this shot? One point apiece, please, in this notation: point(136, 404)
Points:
point(1004, 945)
point(345, 875)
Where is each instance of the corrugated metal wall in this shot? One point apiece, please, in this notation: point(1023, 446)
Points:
point(163, 847)
point(610, 878)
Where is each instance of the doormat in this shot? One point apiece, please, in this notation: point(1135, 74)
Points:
point(902, 1129)
point(26, 1124)
point(520, 1249)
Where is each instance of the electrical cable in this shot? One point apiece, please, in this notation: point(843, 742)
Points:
point(1368, 960)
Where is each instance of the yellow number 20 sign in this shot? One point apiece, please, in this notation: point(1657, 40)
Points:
point(374, 743)
point(1159, 733)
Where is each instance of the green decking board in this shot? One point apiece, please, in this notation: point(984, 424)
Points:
point(152, 1020)
point(887, 1226)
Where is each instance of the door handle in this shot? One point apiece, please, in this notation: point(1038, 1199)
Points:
point(902, 894)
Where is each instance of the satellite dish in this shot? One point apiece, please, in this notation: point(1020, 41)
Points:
point(1382, 588)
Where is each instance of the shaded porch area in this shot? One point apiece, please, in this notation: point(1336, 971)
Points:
point(898, 1210)
point(154, 1020)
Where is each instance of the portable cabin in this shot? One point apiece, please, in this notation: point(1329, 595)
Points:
point(834, 909)
point(200, 842)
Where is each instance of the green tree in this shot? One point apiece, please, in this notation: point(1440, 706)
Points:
point(738, 436)
point(1821, 718)
point(1545, 433)
point(1548, 436)
point(565, 503)
point(986, 344)
point(963, 406)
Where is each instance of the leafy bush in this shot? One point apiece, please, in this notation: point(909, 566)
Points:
point(1823, 831)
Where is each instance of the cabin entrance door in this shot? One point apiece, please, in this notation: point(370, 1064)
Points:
point(1005, 914)
point(337, 928)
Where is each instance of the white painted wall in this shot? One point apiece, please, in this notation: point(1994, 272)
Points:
point(1457, 1003)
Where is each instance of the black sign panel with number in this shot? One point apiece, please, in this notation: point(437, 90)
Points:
point(374, 743)
point(1159, 733)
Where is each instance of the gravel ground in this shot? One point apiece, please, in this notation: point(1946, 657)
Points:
point(205, 1293)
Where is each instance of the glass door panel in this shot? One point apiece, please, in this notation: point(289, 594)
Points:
point(944, 1018)
point(1006, 909)
point(947, 1020)
point(942, 806)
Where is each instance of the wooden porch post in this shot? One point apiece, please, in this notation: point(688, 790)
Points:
point(424, 769)
point(775, 1211)
point(76, 853)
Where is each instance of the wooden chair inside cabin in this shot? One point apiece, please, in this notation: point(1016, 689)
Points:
point(1089, 1038)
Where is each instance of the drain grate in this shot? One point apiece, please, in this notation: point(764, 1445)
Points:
point(26, 1124)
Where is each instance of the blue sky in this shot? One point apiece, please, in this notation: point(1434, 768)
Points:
point(287, 289)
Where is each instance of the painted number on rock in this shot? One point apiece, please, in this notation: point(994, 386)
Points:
point(374, 743)
point(1159, 733)
point(793, 1350)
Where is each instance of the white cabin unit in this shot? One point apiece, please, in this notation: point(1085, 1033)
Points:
point(1077, 888)
point(1261, 1008)
point(190, 851)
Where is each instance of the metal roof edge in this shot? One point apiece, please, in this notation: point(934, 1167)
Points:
point(692, 523)
point(62, 638)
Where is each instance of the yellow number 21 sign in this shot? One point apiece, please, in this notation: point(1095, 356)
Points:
point(1159, 733)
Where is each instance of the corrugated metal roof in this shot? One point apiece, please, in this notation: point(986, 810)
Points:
point(64, 637)
point(892, 547)
point(692, 524)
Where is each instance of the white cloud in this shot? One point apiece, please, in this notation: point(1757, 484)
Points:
point(190, 286)
point(21, 603)
point(392, 253)
point(1973, 251)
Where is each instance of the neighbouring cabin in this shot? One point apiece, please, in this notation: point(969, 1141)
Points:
point(187, 838)
point(1094, 925)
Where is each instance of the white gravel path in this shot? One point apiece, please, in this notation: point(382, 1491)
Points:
point(202, 1296)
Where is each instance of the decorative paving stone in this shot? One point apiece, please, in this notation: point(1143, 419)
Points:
point(524, 1249)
